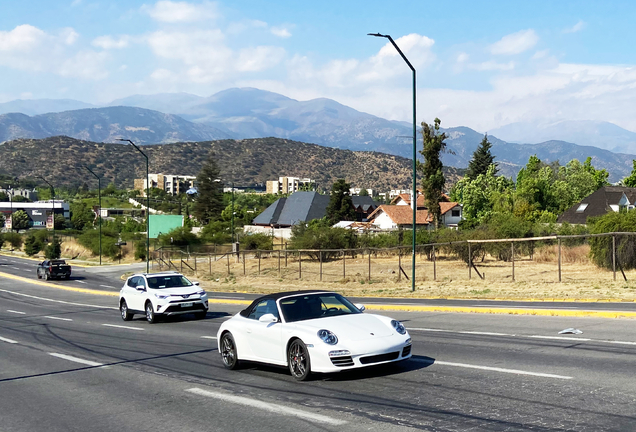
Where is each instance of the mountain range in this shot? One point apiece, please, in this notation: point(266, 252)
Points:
point(243, 113)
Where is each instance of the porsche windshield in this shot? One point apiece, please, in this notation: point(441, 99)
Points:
point(312, 306)
point(161, 282)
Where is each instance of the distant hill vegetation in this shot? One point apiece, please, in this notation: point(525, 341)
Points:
point(246, 162)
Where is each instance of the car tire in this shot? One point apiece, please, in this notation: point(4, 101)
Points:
point(298, 360)
point(125, 312)
point(37, 273)
point(151, 317)
point(47, 276)
point(228, 352)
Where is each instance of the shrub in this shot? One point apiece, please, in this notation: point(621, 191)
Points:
point(217, 232)
point(257, 241)
point(14, 239)
point(90, 240)
point(601, 247)
point(32, 245)
point(140, 251)
point(53, 250)
point(316, 235)
point(1, 240)
point(179, 237)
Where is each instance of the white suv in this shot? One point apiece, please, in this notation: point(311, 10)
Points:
point(161, 294)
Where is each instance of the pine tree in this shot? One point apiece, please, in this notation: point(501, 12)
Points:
point(209, 202)
point(432, 176)
point(630, 181)
point(482, 159)
point(340, 206)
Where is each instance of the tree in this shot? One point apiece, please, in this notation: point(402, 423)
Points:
point(82, 216)
point(432, 176)
point(4, 197)
point(19, 220)
point(209, 202)
point(364, 192)
point(340, 206)
point(481, 161)
point(54, 249)
point(32, 245)
point(631, 180)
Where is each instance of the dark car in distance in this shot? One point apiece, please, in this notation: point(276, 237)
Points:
point(53, 269)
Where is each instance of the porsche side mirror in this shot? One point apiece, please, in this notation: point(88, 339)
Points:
point(268, 318)
point(141, 288)
point(360, 307)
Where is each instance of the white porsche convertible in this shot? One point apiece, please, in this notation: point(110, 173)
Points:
point(311, 331)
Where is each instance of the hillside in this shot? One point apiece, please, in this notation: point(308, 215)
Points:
point(61, 161)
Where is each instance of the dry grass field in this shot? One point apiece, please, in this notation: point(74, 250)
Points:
point(448, 277)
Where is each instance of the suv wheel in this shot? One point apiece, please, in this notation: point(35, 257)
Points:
point(150, 313)
point(125, 313)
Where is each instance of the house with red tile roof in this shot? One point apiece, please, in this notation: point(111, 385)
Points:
point(389, 217)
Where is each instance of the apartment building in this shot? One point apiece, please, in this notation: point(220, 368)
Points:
point(287, 185)
point(172, 184)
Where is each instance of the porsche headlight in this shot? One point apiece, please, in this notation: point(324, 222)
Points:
point(328, 337)
point(398, 326)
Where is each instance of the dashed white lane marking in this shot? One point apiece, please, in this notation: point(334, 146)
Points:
point(16, 312)
point(79, 281)
point(8, 340)
point(27, 270)
point(59, 301)
point(16, 268)
point(208, 337)
point(58, 318)
point(106, 286)
point(123, 327)
point(266, 406)
point(76, 359)
point(496, 369)
point(564, 338)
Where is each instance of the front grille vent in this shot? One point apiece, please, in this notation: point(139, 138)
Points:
point(380, 358)
point(342, 361)
point(406, 351)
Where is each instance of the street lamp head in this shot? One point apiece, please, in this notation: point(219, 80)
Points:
point(377, 35)
point(126, 140)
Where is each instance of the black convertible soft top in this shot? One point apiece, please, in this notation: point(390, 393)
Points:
point(279, 295)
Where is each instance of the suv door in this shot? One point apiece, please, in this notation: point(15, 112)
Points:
point(135, 298)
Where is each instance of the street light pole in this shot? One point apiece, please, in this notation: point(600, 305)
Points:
point(232, 223)
point(414, 197)
point(147, 203)
point(99, 215)
point(53, 212)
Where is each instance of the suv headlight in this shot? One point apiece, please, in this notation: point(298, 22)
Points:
point(201, 293)
point(161, 297)
point(328, 337)
point(398, 326)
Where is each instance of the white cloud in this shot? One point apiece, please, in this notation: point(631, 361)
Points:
point(281, 32)
point(22, 38)
point(109, 42)
point(462, 57)
point(181, 12)
point(259, 58)
point(576, 27)
point(515, 43)
point(69, 36)
point(239, 27)
point(491, 66)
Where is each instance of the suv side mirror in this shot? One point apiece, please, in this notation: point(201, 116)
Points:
point(140, 288)
point(197, 283)
point(268, 318)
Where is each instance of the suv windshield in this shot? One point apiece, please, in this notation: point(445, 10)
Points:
point(173, 281)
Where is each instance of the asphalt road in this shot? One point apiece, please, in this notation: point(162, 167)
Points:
point(68, 362)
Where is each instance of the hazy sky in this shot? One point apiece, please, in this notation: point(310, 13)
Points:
point(481, 64)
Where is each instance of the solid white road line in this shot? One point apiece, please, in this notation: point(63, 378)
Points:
point(58, 301)
point(76, 359)
point(493, 369)
point(16, 312)
point(7, 340)
point(58, 318)
point(564, 338)
point(106, 286)
point(123, 327)
point(270, 407)
point(208, 337)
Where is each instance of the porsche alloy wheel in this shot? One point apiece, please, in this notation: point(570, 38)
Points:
point(228, 352)
point(298, 360)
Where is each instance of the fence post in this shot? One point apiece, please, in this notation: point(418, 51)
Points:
point(285, 255)
point(369, 264)
point(559, 260)
point(470, 261)
point(434, 265)
point(320, 252)
point(244, 263)
point(344, 266)
point(614, 256)
point(512, 249)
point(278, 262)
point(228, 263)
point(210, 261)
point(195, 263)
point(181, 261)
point(259, 262)
point(300, 265)
point(399, 264)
